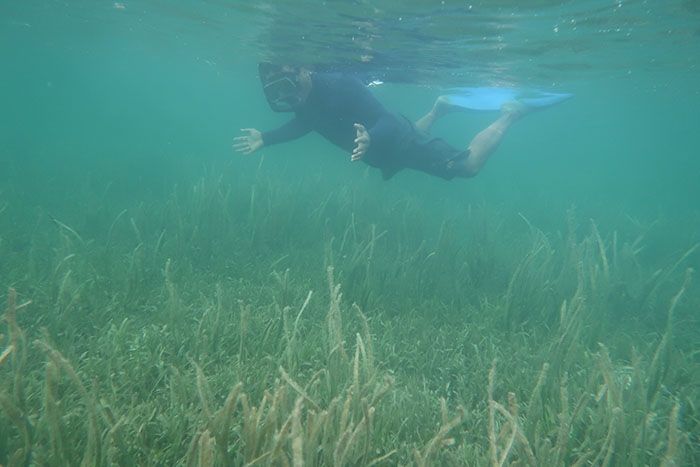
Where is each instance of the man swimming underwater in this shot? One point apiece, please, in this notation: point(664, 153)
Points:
point(345, 112)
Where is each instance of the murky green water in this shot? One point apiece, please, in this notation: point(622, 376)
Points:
point(166, 268)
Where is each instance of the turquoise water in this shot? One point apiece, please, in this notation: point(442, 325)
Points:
point(144, 88)
point(115, 159)
point(140, 95)
point(158, 84)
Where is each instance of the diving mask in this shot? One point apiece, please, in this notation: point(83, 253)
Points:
point(282, 87)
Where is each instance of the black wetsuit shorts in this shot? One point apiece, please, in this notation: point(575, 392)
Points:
point(418, 150)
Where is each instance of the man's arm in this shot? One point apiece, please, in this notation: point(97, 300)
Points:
point(293, 129)
point(254, 139)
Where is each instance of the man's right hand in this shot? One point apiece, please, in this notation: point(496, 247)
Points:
point(249, 143)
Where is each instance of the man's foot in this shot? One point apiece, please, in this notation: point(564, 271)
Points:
point(443, 107)
point(515, 109)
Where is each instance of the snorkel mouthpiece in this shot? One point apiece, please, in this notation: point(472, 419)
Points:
point(281, 86)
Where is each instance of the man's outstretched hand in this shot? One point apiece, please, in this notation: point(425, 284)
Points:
point(249, 143)
point(361, 143)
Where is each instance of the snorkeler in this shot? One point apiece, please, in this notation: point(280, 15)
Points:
point(344, 111)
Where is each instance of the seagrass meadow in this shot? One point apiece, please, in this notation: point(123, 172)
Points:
point(248, 322)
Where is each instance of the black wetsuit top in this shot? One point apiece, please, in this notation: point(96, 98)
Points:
point(336, 102)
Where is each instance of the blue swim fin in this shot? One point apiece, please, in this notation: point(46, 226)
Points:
point(486, 98)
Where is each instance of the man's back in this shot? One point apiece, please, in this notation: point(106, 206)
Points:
point(336, 102)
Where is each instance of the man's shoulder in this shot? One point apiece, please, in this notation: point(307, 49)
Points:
point(336, 79)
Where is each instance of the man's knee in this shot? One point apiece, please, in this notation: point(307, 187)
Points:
point(466, 168)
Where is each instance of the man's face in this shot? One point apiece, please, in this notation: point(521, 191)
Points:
point(285, 87)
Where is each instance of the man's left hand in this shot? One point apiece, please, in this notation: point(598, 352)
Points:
point(361, 143)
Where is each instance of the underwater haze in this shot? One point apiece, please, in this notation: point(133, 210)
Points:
point(170, 301)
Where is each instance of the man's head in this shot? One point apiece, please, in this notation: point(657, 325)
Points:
point(286, 87)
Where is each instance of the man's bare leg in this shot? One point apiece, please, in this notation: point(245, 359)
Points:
point(441, 108)
point(487, 140)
